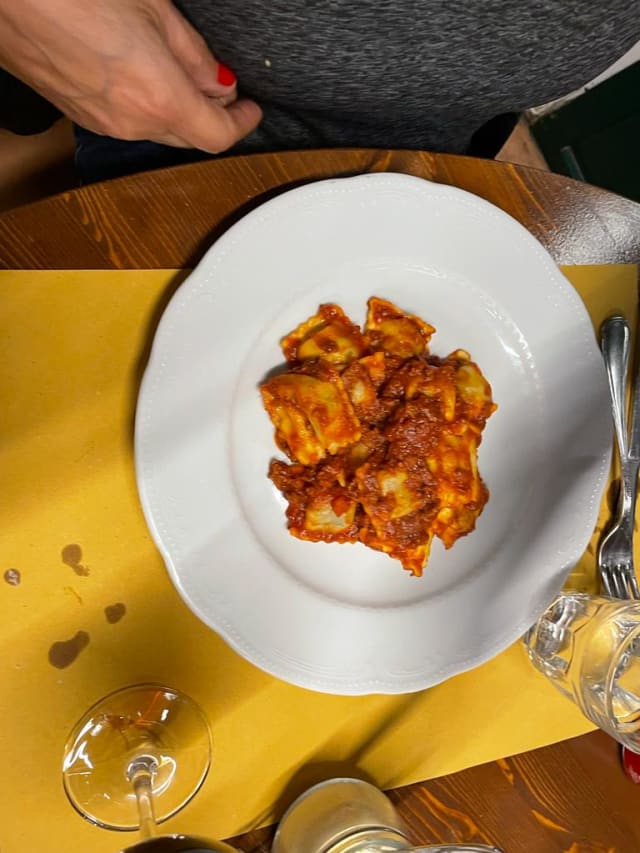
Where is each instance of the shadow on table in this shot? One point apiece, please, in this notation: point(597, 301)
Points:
point(322, 766)
point(320, 771)
point(143, 357)
point(377, 160)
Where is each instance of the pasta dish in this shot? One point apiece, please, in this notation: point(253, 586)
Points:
point(381, 436)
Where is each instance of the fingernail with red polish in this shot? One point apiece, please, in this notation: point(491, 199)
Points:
point(226, 77)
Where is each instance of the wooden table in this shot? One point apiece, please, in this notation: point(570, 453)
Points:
point(570, 797)
point(166, 219)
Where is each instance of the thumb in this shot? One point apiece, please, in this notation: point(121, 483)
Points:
point(189, 48)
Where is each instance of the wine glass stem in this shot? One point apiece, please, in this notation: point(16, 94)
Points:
point(144, 799)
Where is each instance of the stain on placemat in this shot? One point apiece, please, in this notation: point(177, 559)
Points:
point(12, 577)
point(64, 652)
point(71, 556)
point(71, 591)
point(115, 612)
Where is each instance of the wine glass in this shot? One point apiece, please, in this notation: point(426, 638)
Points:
point(136, 758)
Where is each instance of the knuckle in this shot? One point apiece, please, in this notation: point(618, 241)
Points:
point(156, 105)
point(119, 129)
point(200, 45)
point(122, 127)
point(135, 115)
point(219, 143)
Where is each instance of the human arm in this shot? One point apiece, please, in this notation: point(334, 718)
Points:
point(132, 69)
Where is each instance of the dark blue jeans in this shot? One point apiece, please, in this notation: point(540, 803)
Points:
point(101, 157)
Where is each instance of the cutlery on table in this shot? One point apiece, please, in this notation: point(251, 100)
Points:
point(615, 554)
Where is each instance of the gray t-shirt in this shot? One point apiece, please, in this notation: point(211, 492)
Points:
point(406, 73)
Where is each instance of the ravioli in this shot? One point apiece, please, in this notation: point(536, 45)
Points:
point(313, 416)
point(329, 335)
point(394, 331)
point(381, 435)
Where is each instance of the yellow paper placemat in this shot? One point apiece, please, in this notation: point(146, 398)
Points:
point(72, 349)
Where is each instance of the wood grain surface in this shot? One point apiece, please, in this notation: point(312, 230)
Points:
point(167, 218)
point(571, 797)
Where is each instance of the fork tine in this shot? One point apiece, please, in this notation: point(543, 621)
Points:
point(631, 582)
point(622, 580)
point(617, 586)
point(605, 577)
point(619, 580)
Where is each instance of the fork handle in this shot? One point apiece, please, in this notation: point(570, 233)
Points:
point(615, 338)
point(626, 512)
point(628, 494)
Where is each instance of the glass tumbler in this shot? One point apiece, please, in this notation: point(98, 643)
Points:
point(589, 648)
point(350, 816)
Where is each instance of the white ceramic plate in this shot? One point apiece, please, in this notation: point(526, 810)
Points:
point(344, 618)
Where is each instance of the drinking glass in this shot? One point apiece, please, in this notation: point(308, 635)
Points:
point(136, 758)
point(350, 816)
point(589, 648)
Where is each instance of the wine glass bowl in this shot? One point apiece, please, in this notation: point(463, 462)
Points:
point(141, 738)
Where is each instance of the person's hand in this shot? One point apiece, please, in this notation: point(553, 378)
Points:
point(132, 69)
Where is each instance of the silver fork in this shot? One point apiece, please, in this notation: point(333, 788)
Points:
point(615, 554)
